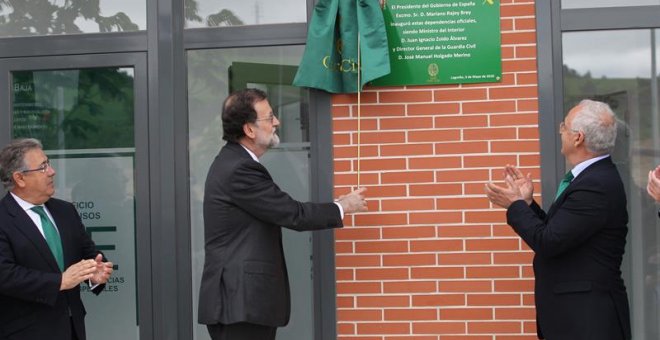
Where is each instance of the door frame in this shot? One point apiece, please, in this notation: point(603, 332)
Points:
point(137, 61)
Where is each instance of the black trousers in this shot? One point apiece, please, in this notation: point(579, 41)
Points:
point(73, 330)
point(241, 331)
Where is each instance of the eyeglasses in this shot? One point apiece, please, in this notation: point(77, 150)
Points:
point(562, 127)
point(42, 168)
point(271, 117)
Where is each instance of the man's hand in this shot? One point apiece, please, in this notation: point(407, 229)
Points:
point(517, 187)
point(103, 271)
point(653, 187)
point(524, 183)
point(353, 201)
point(77, 273)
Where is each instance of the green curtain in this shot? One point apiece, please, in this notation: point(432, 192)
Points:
point(330, 59)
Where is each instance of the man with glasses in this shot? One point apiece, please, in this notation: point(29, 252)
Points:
point(45, 252)
point(244, 290)
point(579, 243)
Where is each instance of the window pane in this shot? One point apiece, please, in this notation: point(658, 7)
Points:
point(85, 121)
point(46, 17)
point(566, 4)
point(214, 13)
point(620, 68)
point(213, 74)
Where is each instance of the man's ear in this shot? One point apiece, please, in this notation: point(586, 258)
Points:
point(579, 138)
point(18, 179)
point(248, 129)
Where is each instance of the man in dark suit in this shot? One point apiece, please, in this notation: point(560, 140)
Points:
point(45, 252)
point(653, 186)
point(579, 243)
point(244, 290)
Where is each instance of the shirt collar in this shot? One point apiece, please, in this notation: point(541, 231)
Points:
point(251, 153)
point(581, 166)
point(23, 203)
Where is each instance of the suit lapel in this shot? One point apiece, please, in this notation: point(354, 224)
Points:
point(558, 202)
point(24, 224)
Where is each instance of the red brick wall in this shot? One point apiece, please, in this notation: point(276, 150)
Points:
point(432, 259)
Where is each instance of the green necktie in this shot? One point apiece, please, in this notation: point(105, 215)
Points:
point(564, 183)
point(52, 237)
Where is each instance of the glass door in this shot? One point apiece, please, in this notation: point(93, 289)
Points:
point(625, 75)
point(213, 74)
point(90, 112)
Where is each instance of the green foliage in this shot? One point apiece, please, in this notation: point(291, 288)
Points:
point(120, 21)
point(190, 10)
point(95, 110)
point(224, 17)
point(44, 17)
point(41, 17)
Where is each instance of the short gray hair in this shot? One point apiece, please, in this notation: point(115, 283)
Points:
point(598, 123)
point(12, 159)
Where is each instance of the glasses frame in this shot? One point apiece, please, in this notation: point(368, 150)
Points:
point(271, 117)
point(562, 127)
point(42, 168)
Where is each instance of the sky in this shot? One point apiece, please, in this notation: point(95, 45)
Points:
point(136, 10)
point(614, 54)
point(270, 11)
point(249, 11)
point(606, 3)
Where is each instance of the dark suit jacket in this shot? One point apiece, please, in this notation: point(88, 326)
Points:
point(579, 246)
point(31, 303)
point(245, 277)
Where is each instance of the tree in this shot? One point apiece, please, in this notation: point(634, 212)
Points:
point(41, 17)
point(47, 17)
point(223, 17)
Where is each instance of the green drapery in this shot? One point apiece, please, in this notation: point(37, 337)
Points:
point(330, 61)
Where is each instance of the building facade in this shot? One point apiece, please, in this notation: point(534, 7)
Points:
point(126, 96)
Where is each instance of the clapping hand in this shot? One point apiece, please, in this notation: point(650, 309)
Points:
point(77, 273)
point(653, 187)
point(517, 187)
point(103, 270)
point(524, 183)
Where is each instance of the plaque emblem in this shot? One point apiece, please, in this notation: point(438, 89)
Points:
point(433, 70)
